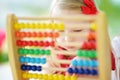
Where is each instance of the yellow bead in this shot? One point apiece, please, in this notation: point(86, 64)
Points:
point(93, 26)
point(32, 25)
point(34, 76)
point(50, 25)
point(67, 77)
point(61, 77)
point(43, 26)
point(16, 26)
point(24, 75)
point(55, 77)
point(50, 77)
point(40, 76)
point(73, 77)
point(55, 26)
point(22, 25)
point(45, 76)
point(61, 26)
point(29, 76)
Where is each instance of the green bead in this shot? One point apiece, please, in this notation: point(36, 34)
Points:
point(21, 51)
point(26, 51)
point(79, 53)
point(47, 52)
point(31, 51)
point(92, 54)
point(42, 52)
point(85, 53)
point(36, 51)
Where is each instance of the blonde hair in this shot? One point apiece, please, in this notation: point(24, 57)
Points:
point(66, 5)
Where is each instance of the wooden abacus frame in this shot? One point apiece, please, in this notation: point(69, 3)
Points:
point(103, 46)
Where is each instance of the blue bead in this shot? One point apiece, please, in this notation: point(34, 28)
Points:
point(39, 68)
point(32, 60)
point(74, 63)
point(29, 67)
point(87, 72)
point(33, 68)
point(70, 70)
point(38, 60)
point(94, 72)
point(27, 59)
point(94, 63)
point(80, 63)
point(81, 71)
point(22, 59)
point(43, 60)
point(86, 63)
point(23, 67)
point(76, 71)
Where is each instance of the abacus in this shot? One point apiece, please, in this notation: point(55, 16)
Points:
point(34, 54)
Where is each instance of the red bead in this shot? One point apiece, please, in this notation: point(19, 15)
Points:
point(84, 45)
point(41, 43)
point(30, 43)
point(52, 43)
point(46, 44)
point(24, 43)
point(19, 43)
point(89, 46)
point(35, 43)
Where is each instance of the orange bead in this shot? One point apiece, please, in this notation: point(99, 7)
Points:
point(17, 34)
point(28, 34)
point(45, 34)
point(56, 34)
point(34, 34)
point(50, 34)
point(23, 34)
point(40, 34)
point(94, 35)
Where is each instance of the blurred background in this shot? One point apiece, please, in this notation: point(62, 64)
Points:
point(41, 7)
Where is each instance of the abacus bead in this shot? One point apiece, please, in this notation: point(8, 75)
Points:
point(45, 34)
point(46, 44)
point(31, 51)
point(50, 77)
point(33, 68)
point(76, 70)
point(87, 72)
point(93, 26)
point(29, 75)
point(86, 63)
point(42, 51)
point(22, 59)
point(19, 43)
point(37, 51)
point(61, 77)
point(30, 43)
point(35, 43)
point(40, 76)
point(29, 67)
point(24, 76)
point(79, 53)
point(67, 77)
point(85, 53)
point(50, 34)
point(27, 59)
point(81, 71)
point(61, 26)
point(23, 34)
point(55, 77)
point(38, 60)
point(39, 68)
point(34, 76)
point(32, 60)
point(80, 63)
point(52, 43)
point(73, 77)
point(94, 72)
point(24, 43)
point(56, 34)
point(17, 34)
point(70, 70)
point(28, 34)
point(40, 34)
point(23, 67)
point(74, 63)
point(47, 52)
point(43, 60)
point(20, 51)
point(45, 76)
point(34, 34)
point(41, 43)
point(26, 51)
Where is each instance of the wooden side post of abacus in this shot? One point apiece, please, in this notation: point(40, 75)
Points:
point(103, 48)
point(12, 48)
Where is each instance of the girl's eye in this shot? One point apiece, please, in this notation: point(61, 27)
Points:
point(77, 30)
